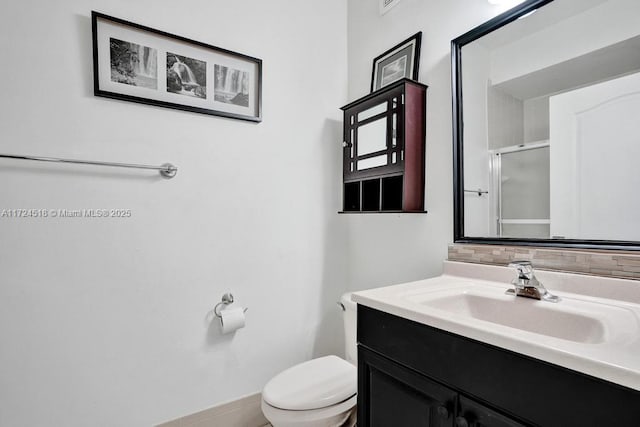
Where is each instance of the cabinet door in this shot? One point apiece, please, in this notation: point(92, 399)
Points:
point(391, 395)
point(474, 414)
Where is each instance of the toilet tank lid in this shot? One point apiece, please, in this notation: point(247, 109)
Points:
point(345, 299)
point(315, 384)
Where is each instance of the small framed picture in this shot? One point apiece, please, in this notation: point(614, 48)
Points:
point(397, 63)
point(139, 64)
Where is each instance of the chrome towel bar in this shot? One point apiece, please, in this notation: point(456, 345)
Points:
point(166, 170)
point(479, 191)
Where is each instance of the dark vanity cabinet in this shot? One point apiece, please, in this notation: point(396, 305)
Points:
point(396, 396)
point(384, 145)
point(410, 374)
point(400, 397)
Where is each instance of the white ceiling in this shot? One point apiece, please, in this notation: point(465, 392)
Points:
point(596, 66)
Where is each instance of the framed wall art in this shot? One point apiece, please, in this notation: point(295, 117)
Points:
point(136, 63)
point(401, 61)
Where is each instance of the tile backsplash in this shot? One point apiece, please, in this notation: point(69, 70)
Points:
point(601, 263)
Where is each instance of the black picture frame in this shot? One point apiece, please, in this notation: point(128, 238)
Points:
point(458, 147)
point(401, 61)
point(132, 62)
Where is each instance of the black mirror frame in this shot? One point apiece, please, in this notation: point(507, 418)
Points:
point(458, 147)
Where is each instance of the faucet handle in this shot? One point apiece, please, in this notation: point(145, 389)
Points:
point(527, 284)
point(524, 267)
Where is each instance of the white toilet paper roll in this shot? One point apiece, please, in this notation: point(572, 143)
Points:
point(231, 319)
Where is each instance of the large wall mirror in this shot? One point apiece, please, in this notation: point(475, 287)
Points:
point(547, 126)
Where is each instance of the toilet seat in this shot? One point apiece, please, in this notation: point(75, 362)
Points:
point(319, 383)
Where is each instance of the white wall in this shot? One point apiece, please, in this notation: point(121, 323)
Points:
point(505, 119)
point(536, 119)
point(104, 322)
point(388, 248)
point(475, 81)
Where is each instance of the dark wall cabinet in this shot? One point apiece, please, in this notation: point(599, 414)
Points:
point(410, 375)
point(384, 148)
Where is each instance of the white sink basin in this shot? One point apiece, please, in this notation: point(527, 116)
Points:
point(571, 319)
point(596, 332)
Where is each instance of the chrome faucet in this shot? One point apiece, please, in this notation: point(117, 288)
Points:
point(527, 285)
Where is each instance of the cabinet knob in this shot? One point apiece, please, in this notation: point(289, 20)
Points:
point(461, 422)
point(443, 412)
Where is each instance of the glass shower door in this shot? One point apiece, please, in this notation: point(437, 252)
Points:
point(523, 191)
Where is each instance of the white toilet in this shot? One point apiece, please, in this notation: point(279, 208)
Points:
point(320, 392)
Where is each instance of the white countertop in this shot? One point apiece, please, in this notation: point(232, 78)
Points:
point(610, 352)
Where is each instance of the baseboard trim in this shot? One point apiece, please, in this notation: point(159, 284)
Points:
point(243, 412)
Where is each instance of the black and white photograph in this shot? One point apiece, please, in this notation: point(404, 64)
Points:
point(133, 64)
point(186, 76)
point(231, 86)
point(394, 71)
point(399, 62)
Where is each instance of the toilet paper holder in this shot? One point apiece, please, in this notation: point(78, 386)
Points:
point(227, 299)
